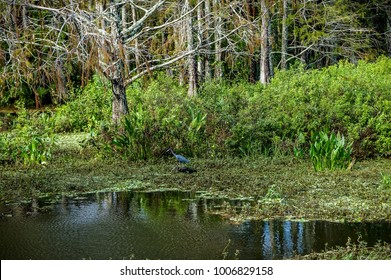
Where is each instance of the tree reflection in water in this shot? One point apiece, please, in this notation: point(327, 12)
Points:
point(160, 225)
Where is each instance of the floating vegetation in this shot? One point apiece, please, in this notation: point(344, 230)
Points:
point(270, 187)
point(273, 195)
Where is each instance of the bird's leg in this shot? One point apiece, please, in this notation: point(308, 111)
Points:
point(176, 167)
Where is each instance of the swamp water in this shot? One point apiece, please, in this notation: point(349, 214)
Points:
point(160, 225)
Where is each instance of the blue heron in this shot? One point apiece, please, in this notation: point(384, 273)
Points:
point(180, 158)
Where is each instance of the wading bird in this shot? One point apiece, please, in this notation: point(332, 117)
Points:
point(180, 158)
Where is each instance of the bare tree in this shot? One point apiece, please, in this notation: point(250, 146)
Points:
point(265, 47)
point(329, 31)
point(200, 60)
point(218, 30)
point(207, 32)
point(113, 40)
point(284, 34)
point(192, 76)
point(117, 38)
point(388, 32)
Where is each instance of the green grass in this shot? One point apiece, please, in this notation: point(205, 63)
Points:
point(353, 251)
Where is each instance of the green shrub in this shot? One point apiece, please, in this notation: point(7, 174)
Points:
point(385, 179)
point(132, 140)
point(86, 109)
point(352, 99)
point(329, 151)
point(160, 116)
point(223, 103)
point(241, 119)
point(31, 141)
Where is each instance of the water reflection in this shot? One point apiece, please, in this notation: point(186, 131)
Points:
point(160, 225)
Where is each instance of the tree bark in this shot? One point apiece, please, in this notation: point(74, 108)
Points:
point(24, 16)
point(207, 68)
point(120, 103)
point(388, 32)
point(192, 76)
point(264, 61)
point(200, 58)
point(284, 34)
point(61, 81)
point(117, 70)
point(136, 48)
point(102, 26)
point(269, 48)
point(218, 35)
point(124, 26)
point(61, 87)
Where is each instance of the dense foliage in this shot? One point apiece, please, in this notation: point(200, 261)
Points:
point(351, 99)
point(31, 140)
point(239, 119)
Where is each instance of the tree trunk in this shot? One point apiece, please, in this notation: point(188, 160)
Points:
point(269, 48)
point(120, 104)
point(252, 63)
point(200, 59)
point(116, 72)
point(136, 47)
point(218, 35)
point(208, 74)
point(61, 81)
point(102, 25)
point(124, 21)
point(24, 16)
point(284, 32)
point(388, 32)
point(192, 76)
point(264, 61)
point(304, 53)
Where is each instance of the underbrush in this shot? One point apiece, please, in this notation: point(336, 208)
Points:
point(228, 119)
point(353, 100)
point(31, 141)
point(243, 119)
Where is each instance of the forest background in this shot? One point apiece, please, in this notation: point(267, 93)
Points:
point(207, 78)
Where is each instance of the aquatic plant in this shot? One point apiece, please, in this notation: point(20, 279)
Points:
point(385, 179)
point(31, 140)
point(329, 151)
point(133, 139)
point(273, 195)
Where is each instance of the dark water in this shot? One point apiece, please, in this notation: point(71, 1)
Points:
point(162, 225)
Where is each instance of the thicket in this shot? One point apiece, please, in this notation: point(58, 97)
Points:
point(354, 100)
point(242, 119)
